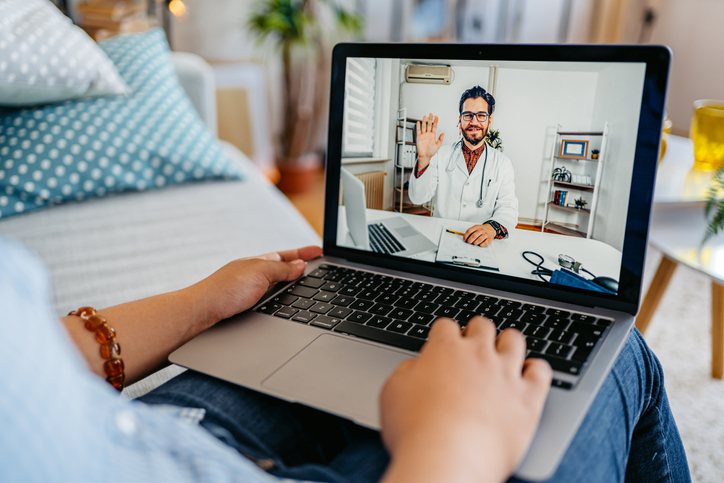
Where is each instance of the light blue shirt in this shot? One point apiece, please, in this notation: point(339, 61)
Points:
point(60, 422)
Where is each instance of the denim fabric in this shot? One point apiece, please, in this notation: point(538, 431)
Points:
point(629, 433)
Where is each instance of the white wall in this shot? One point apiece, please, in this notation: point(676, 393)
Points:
point(618, 102)
point(693, 30)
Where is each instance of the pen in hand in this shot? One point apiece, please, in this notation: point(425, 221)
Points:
point(455, 232)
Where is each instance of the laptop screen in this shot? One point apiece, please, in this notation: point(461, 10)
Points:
point(518, 170)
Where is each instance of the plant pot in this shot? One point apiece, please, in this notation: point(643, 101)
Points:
point(297, 174)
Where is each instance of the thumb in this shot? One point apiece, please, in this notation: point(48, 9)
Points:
point(282, 271)
point(439, 141)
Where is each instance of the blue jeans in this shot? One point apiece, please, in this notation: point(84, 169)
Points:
point(629, 434)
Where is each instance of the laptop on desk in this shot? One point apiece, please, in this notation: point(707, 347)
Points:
point(330, 339)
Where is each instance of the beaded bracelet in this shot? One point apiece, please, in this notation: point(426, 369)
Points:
point(110, 349)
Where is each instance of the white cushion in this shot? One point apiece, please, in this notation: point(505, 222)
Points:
point(44, 58)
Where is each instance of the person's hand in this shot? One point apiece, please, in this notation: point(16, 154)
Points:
point(238, 285)
point(480, 235)
point(466, 409)
point(427, 142)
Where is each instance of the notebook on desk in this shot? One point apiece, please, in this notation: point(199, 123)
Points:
point(454, 250)
point(330, 339)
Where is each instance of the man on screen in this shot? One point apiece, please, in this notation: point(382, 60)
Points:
point(472, 181)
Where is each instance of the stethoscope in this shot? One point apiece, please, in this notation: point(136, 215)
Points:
point(451, 167)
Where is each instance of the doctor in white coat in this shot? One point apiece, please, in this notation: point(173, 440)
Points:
point(473, 181)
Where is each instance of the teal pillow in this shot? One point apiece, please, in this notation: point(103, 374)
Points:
point(76, 149)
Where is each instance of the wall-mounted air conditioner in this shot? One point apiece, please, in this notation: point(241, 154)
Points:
point(428, 74)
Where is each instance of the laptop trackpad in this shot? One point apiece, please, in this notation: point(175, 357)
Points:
point(338, 375)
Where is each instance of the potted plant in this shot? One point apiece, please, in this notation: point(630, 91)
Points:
point(714, 208)
point(297, 29)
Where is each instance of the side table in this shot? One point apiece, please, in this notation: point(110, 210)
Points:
point(677, 228)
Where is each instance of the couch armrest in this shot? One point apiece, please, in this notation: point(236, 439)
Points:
point(197, 79)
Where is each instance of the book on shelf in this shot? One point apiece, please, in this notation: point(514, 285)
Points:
point(110, 11)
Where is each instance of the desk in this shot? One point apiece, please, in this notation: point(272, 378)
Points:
point(677, 227)
point(596, 256)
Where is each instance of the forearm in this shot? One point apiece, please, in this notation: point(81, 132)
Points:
point(147, 330)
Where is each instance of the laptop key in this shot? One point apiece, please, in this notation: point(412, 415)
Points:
point(387, 298)
point(299, 291)
point(285, 299)
point(421, 318)
point(400, 314)
point(325, 322)
point(589, 319)
point(535, 344)
point(304, 316)
point(361, 304)
point(311, 282)
point(377, 335)
point(324, 296)
point(406, 292)
point(350, 290)
point(359, 317)
point(405, 303)
point(380, 309)
point(489, 310)
point(368, 294)
point(533, 308)
point(533, 317)
point(561, 384)
point(559, 350)
point(426, 297)
point(379, 322)
point(467, 304)
point(487, 299)
point(555, 322)
point(511, 314)
point(558, 313)
point(303, 304)
point(340, 312)
point(286, 312)
point(562, 336)
point(447, 300)
point(603, 322)
point(592, 331)
point(464, 317)
point(513, 324)
point(445, 311)
point(419, 331)
point(510, 304)
point(321, 308)
point(399, 326)
point(331, 286)
point(334, 276)
point(343, 300)
point(318, 273)
point(269, 308)
point(537, 331)
point(558, 364)
point(426, 307)
point(465, 295)
point(582, 353)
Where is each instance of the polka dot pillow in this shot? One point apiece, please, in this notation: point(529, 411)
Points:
point(150, 139)
point(45, 58)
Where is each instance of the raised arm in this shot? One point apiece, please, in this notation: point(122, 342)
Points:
point(148, 330)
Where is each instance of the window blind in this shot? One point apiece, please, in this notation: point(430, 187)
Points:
point(359, 108)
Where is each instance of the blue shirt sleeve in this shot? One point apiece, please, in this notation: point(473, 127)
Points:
point(60, 422)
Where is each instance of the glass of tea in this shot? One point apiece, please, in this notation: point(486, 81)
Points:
point(707, 133)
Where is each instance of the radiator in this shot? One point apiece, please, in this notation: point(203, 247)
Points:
point(374, 182)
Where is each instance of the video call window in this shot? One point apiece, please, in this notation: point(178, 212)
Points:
point(497, 167)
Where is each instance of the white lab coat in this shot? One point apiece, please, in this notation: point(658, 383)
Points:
point(458, 192)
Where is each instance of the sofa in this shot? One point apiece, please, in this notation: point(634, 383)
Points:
point(108, 250)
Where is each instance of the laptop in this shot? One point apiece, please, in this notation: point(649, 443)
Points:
point(330, 339)
point(390, 235)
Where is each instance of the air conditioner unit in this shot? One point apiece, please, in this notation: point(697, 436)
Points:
point(428, 74)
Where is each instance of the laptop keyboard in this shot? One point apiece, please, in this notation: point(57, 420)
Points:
point(399, 312)
point(382, 241)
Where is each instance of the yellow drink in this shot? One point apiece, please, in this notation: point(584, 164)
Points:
point(707, 133)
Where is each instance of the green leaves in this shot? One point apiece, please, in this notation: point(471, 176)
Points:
point(494, 140)
point(297, 21)
point(715, 204)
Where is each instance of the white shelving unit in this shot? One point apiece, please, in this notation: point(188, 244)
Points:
point(553, 185)
point(402, 171)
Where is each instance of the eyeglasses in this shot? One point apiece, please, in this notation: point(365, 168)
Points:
point(468, 116)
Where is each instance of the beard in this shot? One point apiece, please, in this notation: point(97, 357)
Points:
point(475, 137)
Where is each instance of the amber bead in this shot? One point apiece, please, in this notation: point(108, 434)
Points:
point(111, 350)
point(113, 367)
point(105, 334)
point(85, 311)
point(94, 321)
point(117, 381)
